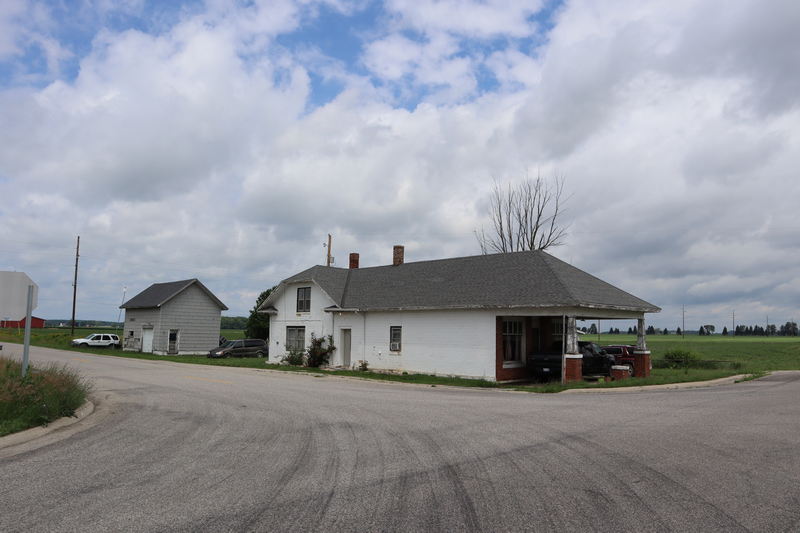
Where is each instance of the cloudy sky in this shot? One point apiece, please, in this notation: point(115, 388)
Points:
point(224, 141)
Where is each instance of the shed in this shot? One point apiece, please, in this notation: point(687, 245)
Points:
point(173, 318)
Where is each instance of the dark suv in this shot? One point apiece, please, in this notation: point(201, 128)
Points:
point(548, 365)
point(241, 348)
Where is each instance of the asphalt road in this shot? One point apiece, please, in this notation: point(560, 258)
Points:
point(178, 447)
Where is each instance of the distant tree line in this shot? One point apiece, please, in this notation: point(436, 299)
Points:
point(233, 322)
point(770, 330)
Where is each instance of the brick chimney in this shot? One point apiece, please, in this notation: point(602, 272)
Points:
point(397, 254)
point(354, 260)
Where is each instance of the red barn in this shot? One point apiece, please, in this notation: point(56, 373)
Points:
point(36, 322)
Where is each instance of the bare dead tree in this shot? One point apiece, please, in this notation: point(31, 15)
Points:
point(525, 216)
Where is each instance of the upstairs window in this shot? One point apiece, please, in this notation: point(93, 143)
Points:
point(395, 338)
point(304, 300)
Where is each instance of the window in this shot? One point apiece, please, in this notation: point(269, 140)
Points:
point(512, 339)
point(304, 300)
point(395, 338)
point(295, 338)
point(558, 326)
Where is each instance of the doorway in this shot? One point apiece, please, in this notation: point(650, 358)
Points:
point(345, 348)
point(172, 345)
point(147, 340)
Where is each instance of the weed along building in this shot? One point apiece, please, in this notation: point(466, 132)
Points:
point(481, 316)
point(173, 318)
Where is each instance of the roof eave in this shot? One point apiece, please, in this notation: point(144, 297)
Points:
point(492, 307)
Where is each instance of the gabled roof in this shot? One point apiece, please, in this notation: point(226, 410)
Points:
point(158, 294)
point(518, 279)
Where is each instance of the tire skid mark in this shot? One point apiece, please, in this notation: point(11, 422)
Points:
point(289, 472)
point(667, 487)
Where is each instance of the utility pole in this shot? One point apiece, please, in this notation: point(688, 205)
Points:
point(733, 323)
point(75, 284)
point(683, 321)
point(328, 260)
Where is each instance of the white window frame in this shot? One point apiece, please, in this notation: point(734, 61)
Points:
point(398, 330)
point(306, 308)
point(289, 346)
point(519, 360)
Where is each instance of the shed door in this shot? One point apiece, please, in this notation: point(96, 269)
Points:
point(346, 348)
point(172, 344)
point(147, 340)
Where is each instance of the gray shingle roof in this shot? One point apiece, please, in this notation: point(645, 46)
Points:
point(158, 294)
point(519, 279)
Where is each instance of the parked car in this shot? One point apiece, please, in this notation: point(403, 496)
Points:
point(241, 348)
point(104, 340)
point(623, 354)
point(547, 365)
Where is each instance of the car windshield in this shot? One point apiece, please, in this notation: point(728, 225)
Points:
point(227, 344)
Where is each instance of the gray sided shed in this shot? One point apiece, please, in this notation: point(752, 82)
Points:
point(173, 318)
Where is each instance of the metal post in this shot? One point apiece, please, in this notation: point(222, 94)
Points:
point(26, 346)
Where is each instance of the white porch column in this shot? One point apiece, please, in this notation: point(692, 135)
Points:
point(641, 355)
point(641, 343)
point(572, 336)
point(571, 360)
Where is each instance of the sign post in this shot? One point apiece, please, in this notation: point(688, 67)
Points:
point(27, 342)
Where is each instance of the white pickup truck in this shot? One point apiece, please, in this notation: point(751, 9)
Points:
point(105, 340)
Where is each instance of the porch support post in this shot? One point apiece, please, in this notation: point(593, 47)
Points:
point(641, 355)
point(641, 342)
point(572, 366)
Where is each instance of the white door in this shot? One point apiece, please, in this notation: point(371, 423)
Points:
point(147, 340)
point(346, 348)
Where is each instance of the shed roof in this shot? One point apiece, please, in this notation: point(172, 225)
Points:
point(158, 294)
point(507, 280)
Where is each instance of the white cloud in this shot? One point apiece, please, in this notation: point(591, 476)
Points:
point(10, 27)
point(470, 18)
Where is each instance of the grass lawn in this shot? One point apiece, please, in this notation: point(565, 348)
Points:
point(755, 355)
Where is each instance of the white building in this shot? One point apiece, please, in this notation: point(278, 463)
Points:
point(479, 316)
point(14, 295)
point(173, 318)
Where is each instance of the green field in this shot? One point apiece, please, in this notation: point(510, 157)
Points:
point(755, 354)
point(744, 355)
